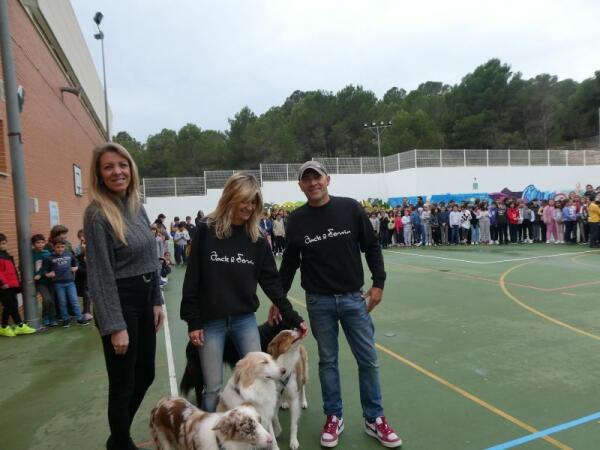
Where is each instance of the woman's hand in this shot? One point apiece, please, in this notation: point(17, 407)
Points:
point(274, 316)
point(197, 337)
point(159, 317)
point(303, 328)
point(120, 341)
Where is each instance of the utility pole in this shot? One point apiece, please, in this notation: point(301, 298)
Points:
point(21, 198)
point(100, 36)
point(377, 130)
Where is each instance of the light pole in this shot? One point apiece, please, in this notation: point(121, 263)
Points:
point(377, 130)
point(100, 36)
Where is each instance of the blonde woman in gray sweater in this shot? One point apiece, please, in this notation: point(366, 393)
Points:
point(123, 285)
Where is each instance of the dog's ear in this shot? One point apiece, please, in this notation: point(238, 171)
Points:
point(227, 424)
point(272, 348)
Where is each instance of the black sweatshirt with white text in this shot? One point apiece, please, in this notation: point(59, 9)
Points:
point(222, 277)
point(326, 242)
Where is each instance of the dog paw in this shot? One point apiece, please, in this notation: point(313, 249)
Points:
point(294, 444)
point(285, 405)
point(304, 404)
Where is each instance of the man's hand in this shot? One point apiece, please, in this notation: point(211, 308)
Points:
point(373, 296)
point(37, 277)
point(74, 269)
point(50, 274)
point(274, 316)
point(159, 317)
point(197, 337)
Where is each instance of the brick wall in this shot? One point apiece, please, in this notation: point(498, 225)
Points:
point(57, 133)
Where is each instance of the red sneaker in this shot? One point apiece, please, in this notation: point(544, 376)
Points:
point(331, 431)
point(381, 431)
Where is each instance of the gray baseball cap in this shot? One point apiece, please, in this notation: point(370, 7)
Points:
point(312, 165)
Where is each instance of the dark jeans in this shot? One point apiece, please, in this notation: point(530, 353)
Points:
point(570, 231)
point(494, 232)
point(180, 254)
point(527, 230)
point(513, 228)
point(279, 244)
point(8, 297)
point(130, 375)
point(454, 234)
point(502, 237)
point(594, 234)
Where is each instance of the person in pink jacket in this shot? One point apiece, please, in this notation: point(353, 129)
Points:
point(548, 218)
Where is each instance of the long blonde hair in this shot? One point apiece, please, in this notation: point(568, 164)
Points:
point(241, 187)
point(110, 204)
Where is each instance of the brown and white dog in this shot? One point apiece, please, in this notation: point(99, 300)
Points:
point(255, 380)
point(176, 424)
point(287, 351)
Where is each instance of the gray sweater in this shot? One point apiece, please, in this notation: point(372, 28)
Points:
point(109, 259)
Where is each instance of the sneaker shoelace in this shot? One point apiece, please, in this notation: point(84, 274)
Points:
point(331, 427)
point(384, 428)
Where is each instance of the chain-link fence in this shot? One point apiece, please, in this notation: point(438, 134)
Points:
point(422, 158)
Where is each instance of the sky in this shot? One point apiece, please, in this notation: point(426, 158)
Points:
point(175, 62)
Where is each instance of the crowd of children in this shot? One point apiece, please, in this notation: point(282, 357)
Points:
point(60, 279)
point(574, 219)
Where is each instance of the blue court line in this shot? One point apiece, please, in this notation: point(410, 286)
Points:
point(546, 432)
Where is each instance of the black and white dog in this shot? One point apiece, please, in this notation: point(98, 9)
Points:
point(192, 376)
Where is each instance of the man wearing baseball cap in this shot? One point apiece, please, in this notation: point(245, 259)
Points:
point(325, 238)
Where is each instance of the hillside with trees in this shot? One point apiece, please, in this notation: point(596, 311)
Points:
point(492, 107)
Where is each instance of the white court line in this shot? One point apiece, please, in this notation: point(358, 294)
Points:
point(169, 348)
point(488, 262)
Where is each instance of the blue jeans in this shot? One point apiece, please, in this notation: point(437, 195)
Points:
point(67, 292)
point(455, 234)
point(475, 234)
point(325, 311)
point(244, 332)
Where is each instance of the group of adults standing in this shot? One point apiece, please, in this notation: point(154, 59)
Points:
point(229, 259)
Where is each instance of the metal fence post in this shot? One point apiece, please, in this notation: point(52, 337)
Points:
point(441, 165)
point(585, 157)
point(144, 189)
point(487, 157)
point(175, 185)
point(465, 157)
point(415, 150)
point(398, 154)
point(529, 157)
point(337, 165)
point(382, 165)
point(361, 165)
point(287, 172)
point(548, 156)
point(205, 189)
point(509, 159)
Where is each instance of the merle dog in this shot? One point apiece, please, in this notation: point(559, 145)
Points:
point(192, 376)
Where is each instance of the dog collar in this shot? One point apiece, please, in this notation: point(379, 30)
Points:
point(284, 382)
point(219, 443)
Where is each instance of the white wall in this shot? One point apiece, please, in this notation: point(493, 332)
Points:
point(424, 181)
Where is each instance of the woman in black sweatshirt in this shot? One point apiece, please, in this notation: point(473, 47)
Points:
point(229, 258)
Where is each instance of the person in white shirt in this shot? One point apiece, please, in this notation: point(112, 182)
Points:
point(454, 221)
point(181, 239)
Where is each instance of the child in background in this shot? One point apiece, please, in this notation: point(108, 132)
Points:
point(60, 267)
point(407, 227)
point(58, 232)
point(43, 286)
point(10, 286)
point(560, 224)
point(181, 239)
point(81, 276)
point(454, 221)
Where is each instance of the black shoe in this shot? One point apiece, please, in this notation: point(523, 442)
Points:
point(83, 322)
